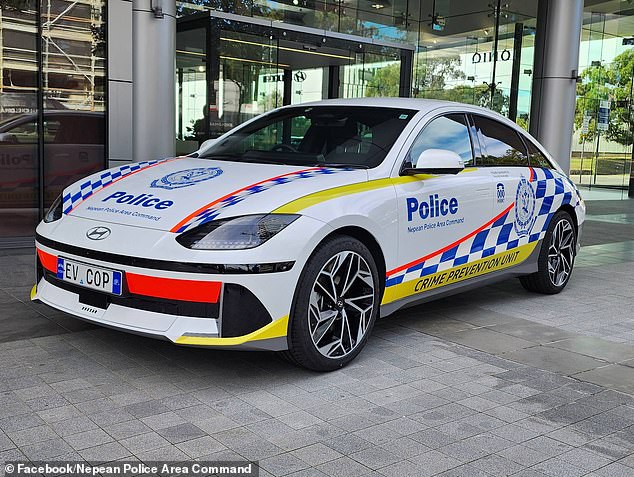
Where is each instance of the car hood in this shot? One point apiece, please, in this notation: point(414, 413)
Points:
point(177, 194)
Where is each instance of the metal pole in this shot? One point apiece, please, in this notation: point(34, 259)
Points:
point(515, 74)
point(556, 64)
point(40, 112)
point(496, 39)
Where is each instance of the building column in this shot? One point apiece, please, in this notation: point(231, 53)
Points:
point(555, 71)
point(154, 66)
point(119, 107)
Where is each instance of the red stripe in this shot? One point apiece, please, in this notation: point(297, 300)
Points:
point(532, 178)
point(47, 260)
point(173, 288)
point(122, 177)
point(452, 245)
point(211, 204)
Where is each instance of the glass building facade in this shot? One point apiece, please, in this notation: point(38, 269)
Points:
point(52, 105)
point(238, 59)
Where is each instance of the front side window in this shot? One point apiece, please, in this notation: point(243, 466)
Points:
point(314, 136)
point(501, 145)
point(448, 132)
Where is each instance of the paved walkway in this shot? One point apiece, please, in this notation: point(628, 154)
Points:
point(495, 381)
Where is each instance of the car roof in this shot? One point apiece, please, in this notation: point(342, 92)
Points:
point(416, 104)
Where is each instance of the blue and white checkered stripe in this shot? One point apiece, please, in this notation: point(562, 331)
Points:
point(212, 212)
point(501, 236)
point(80, 191)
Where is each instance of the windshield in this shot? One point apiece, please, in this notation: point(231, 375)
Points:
point(318, 135)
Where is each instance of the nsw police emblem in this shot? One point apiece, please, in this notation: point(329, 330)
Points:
point(186, 178)
point(524, 207)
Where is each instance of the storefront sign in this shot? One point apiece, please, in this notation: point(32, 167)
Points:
point(488, 56)
point(273, 78)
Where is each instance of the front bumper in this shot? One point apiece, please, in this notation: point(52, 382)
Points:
point(196, 309)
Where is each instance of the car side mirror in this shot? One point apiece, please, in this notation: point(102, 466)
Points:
point(206, 144)
point(436, 161)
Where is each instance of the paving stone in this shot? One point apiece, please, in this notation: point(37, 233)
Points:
point(614, 470)
point(496, 465)
point(585, 459)
point(283, 464)
point(558, 467)
point(181, 433)
point(143, 442)
point(347, 444)
point(125, 429)
point(435, 462)
point(46, 450)
point(32, 435)
point(316, 454)
point(404, 468)
point(200, 446)
point(375, 457)
point(343, 467)
point(523, 455)
point(84, 440)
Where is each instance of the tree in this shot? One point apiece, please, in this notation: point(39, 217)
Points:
point(610, 83)
point(429, 76)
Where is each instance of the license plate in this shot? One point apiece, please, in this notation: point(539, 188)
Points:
point(89, 276)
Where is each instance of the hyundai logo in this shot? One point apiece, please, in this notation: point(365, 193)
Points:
point(98, 233)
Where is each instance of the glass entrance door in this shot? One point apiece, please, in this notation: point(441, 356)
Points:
point(229, 71)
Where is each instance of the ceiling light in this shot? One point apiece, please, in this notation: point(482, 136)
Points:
point(378, 6)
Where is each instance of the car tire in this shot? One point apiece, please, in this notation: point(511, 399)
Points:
point(335, 305)
point(556, 257)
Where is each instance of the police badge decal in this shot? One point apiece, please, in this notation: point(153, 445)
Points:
point(186, 178)
point(524, 207)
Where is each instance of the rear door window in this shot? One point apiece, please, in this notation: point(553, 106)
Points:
point(536, 158)
point(501, 145)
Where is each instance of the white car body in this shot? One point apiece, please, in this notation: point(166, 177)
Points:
point(471, 238)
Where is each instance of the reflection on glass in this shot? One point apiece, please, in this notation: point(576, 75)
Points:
point(602, 141)
point(446, 132)
point(73, 44)
point(18, 126)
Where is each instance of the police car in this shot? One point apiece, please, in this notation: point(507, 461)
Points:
point(296, 230)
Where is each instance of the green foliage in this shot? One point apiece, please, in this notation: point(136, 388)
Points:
point(613, 83)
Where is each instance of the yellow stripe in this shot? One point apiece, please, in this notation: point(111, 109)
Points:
point(318, 197)
point(276, 329)
point(33, 291)
point(473, 269)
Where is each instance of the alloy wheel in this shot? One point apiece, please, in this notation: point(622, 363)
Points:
point(561, 253)
point(341, 304)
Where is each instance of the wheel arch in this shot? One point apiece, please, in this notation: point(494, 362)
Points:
point(367, 239)
point(570, 210)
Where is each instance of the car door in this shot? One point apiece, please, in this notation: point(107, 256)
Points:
point(437, 213)
point(515, 203)
point(504, 157)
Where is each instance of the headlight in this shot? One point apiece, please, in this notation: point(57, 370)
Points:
point(236, 233)
point(55, 211)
